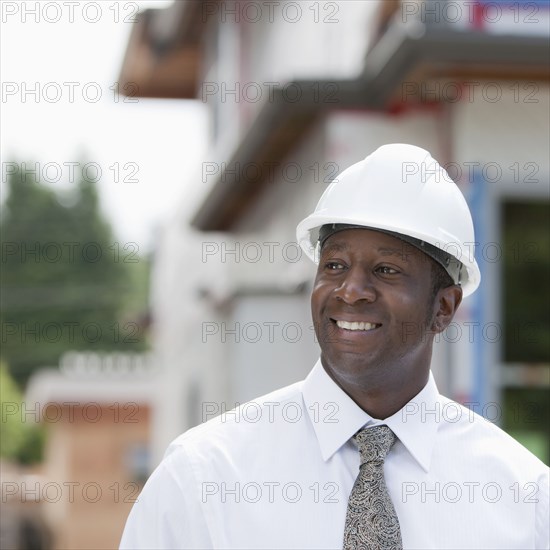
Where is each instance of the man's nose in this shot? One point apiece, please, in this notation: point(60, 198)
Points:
point(357, 285)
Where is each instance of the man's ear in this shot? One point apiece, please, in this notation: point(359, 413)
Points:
point(446, 303)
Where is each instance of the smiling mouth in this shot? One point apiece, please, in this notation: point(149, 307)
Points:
point(356, 325)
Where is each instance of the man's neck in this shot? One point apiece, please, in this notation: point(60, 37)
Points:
point(383, 397)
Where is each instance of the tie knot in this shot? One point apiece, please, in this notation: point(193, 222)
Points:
point(374, 443)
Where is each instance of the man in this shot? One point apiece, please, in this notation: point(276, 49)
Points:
point(365, 453)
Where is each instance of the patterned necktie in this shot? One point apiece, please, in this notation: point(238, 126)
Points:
point(371, 521)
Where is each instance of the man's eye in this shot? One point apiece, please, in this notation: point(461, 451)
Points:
point(387, 270)
point(333, 266)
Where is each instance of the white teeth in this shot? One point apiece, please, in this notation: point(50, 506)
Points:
point(355, 325)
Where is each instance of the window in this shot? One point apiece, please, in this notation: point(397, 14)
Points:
point(526, 317)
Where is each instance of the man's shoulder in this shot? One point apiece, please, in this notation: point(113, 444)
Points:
point(232, 428)
point(484, 439)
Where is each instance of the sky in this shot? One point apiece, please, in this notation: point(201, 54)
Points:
point(142, 151)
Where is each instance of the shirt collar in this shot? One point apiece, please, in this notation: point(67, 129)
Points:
point(336, 417)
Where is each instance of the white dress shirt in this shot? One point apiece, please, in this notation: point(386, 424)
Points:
point(277, 473)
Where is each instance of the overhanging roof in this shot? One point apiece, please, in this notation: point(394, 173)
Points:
point(163, 56)
point(415, 53)
point(279, 126)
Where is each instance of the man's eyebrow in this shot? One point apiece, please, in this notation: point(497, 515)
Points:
point(336, 246)
point(401, 252)
point(339, 246)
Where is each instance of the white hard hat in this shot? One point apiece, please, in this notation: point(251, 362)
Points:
point(399, 189)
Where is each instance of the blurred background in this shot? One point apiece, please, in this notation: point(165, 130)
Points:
point(156, 159)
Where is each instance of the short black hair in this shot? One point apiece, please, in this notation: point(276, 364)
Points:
point(440, 278)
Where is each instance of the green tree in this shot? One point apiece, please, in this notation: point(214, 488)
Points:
point(66, 283)
point(19, 441)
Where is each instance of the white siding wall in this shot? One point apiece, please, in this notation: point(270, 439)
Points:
point(192, 366)
point(292, 41)
point(289, 355)
point(310, 39)
point(513, 128)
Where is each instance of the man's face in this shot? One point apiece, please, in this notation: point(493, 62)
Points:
point(385, 285)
